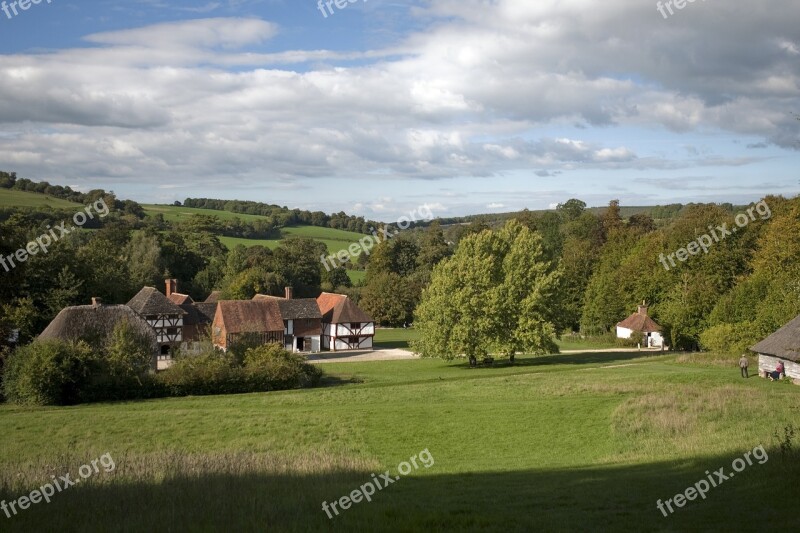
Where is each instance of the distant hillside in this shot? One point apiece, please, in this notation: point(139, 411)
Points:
point(661, 214)
point(14, 198)
point(178, 213)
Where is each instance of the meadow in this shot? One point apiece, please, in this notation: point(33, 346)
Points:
point(334, 239)
point(15, 198)
point(570, 442)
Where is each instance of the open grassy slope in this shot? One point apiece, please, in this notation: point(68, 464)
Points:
point(577, 442)
point(334, 239)
point(13, 198)
point(177, 213)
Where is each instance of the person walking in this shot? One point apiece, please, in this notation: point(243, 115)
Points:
point(743, 364)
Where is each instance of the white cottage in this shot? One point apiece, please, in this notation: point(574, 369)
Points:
point(782, 346)
point(641, 323)
point(344, 325)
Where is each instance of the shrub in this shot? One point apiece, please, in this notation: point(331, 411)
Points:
point(735, 338)
point(124, 370)
point(270, 367)
point(207, 373)
point(632, 342)
point(129, 354)
point(48, 373)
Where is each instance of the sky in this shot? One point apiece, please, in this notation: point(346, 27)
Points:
point(380, 107)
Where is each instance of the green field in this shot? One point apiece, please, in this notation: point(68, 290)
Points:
point(178, 213)
point(394, 337)
point(14, 198)
point(334, 239)
point(561, 443)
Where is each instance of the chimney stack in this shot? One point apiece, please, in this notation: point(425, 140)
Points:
point(97, 302)
point(172, 286)
point(643, 309)
point(289, 293)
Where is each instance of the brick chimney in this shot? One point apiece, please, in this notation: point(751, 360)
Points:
point(289, 293)
point(643, 309)
point(172, 286)
point(97, 302)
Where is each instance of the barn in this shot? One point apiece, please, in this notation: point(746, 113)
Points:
point(302, 321)
point(783, 345)
point(258, 320)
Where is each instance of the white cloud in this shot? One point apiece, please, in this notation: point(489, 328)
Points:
point(477, 94)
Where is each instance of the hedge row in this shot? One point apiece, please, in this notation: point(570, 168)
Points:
point(62, 373)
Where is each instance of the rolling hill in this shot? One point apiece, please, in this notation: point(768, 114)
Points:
point(15, 198)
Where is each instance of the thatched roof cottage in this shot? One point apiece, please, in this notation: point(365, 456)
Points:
point(781, 346)
point(95, 323)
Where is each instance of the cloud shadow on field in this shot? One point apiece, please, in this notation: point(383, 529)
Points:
point(576, 499)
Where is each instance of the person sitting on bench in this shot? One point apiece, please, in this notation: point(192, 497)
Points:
point(779, 371)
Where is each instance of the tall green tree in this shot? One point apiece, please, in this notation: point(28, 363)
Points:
point(492, 296)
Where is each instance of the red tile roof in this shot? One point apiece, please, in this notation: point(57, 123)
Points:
point(180, 299)
point(250, 316)
point(339, 309)
point(640, 322)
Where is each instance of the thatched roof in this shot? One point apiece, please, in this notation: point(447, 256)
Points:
point(339, 309)
point(199, 314)
point(298, 308)
point(95, 324)
point(250, 316)
point(149, 302)
point(784, 343)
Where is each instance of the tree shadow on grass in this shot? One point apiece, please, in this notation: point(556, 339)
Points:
point(760, 498)
point(588, 358)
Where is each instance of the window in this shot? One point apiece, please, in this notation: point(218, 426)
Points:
point(172, 331)
point(355, 325)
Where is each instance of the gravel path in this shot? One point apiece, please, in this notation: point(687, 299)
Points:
point(393, 354)
point(396, 354)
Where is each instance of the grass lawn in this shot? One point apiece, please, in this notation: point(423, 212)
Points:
point(14, 198)
point(573, 442)
point(588, 343)
point(394, 337)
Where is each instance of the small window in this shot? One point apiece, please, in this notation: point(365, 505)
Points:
point(172, 331)
point(356, 325)
point(165, 349)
